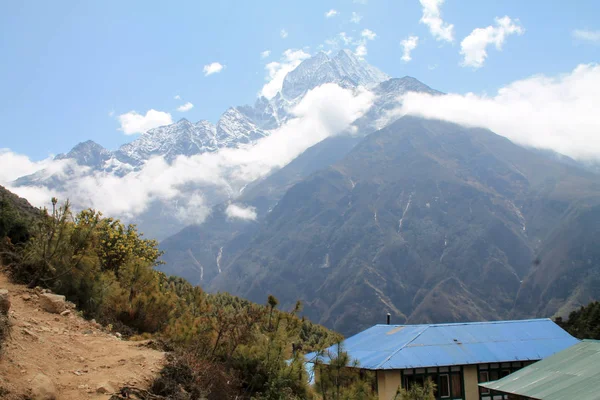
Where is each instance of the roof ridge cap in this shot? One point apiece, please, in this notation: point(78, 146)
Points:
point(403, 346)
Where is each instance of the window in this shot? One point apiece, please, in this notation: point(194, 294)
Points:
point(456, 386)
point(484, 376)
point(494, 376)
point(444, 388)
point(409, 381)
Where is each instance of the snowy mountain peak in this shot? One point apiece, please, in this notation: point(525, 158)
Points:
point(235, 128)
point(87, 153)
point(180, 138)
point(345, 69)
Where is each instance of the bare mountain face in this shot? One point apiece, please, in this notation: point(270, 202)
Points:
point(427, 220)
point(198, 251)
point(237, 127)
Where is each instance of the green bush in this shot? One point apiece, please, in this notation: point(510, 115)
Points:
point(226, 347)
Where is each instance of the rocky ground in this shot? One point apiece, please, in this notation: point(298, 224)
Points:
point(53, 353)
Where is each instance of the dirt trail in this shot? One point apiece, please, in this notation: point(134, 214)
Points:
point(74, 353)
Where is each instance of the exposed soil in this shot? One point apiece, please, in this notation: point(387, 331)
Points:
point(77, 355)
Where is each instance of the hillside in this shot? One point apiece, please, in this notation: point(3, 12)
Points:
point(414, 205)
point(80, 358)
point(221, 346)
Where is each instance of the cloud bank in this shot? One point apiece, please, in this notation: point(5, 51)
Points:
point(325, 111)
point(555, 113)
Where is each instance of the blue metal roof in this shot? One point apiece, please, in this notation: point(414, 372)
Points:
point(418, 346)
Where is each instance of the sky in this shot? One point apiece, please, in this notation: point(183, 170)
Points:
point(73, 71)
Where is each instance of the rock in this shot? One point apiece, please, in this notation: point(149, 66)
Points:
point(42, 388)
point(95, 324)
point(4, 301)
point(65, 313)
point(26, 297)
point(104, 388)
point(53, 303)
point(33, 335)
point(118, 335)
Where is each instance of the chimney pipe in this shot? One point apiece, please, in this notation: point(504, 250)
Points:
point(389, 318)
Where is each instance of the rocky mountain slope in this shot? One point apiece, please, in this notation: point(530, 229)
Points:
point(198, 264)
point(65, 355)
point(429, 221)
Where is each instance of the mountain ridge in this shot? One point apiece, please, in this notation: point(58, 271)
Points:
point(369, 234)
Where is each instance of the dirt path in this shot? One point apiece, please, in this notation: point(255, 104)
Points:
point(75, 354)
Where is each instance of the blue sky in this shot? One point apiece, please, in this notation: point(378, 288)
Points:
point(69, 69)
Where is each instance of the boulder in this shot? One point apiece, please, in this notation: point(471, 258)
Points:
point(53, 303)
point(4, 301)
point(42, 388)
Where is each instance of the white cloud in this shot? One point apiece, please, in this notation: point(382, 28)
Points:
point(265, 54)
point(331, 13)
point(345, 38)
point(408, 45)
point(235, 211)
point(177, 97)
point(556, 113)
point(361, 51)
point(361, 45)
point(194, 209)
point(368, 34)
point(111, 113)
point(432, 17)
point(132, 122)
point(356, 17)
point(185, 107)
point(474, 46)
point(324, 111)
point(15, 165)
point(283, 33)
point(277, 70)
point(586, 35)
point(213, 68)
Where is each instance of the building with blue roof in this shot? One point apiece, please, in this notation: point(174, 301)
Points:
point(455, 356)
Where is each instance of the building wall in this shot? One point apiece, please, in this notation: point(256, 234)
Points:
point(471, 382)
point(389, 380)
point(387, 383)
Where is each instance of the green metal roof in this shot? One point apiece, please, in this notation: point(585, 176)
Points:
point(573, 373)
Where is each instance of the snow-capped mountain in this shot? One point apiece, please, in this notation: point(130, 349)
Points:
point(170, 141)
point(237, 127)
point(88, 153)
point(344, 69)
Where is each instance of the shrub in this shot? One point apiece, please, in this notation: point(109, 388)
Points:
point(185, 378)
